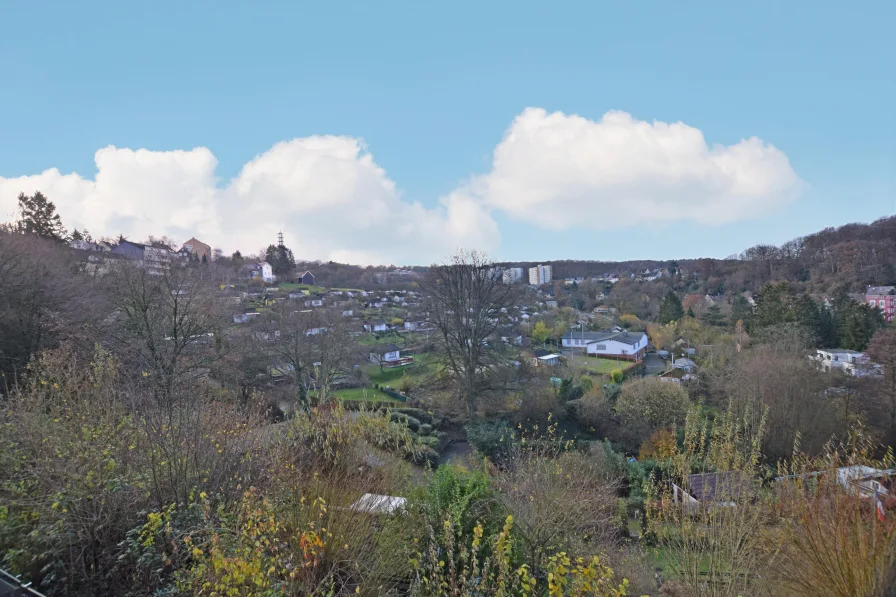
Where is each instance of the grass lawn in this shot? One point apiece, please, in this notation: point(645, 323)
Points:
point(603, 366)
point(290, 287)
point(363, 394)
point(418, 371)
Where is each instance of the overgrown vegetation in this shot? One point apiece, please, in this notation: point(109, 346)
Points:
point(150, 448)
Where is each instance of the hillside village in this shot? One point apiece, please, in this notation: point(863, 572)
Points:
point(383, 315)
point(676, 392)
point(442, 300)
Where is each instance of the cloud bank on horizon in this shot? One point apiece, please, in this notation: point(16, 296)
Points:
point(554, 170)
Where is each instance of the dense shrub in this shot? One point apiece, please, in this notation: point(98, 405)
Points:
point(593, 412)
point(418, 413)
point(466, 497)
point(426, 455)
point(412, 423)
point(393, 393)
point(611, 392)
point(647, 404)
point(494, 439)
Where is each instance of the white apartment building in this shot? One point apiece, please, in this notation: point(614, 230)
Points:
point(540, 274)
point(512, 275)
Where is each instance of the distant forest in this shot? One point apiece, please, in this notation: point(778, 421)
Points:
point(832, 260)
point(849, 257)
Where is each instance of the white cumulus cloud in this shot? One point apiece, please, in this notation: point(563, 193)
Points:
point(332, 201)
point(561, 171)
point(326, 193)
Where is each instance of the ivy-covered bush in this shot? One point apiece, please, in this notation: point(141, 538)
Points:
point(493, 439)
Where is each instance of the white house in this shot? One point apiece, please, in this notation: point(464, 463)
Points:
point(863, 480)
point(858, 479)
point(412, 325)
point(376, 325)
point(626, 345)
point(261, 270)
point(386, 353)
point(545, 358)
point(314, 303)
point(244, 317)
point(347, 312)
point(850, 362)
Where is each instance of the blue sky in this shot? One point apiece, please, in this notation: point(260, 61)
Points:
point(432, 90)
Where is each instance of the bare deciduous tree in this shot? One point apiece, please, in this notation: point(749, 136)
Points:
point(315, 346)
point(464, 300)
point(42, 300)
point(169, 326)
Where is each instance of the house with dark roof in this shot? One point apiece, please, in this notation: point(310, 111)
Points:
point(154, 258)
point(384, 353)
point(414, 322)
point(261, 270)
point(626, 345)
point(388, 356)
point(545, 358)
point(306, 278)
point(375, 325)
point(723, 489)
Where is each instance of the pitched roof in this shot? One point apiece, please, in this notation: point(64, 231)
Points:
point(715, 487)
point(590, 336)
point(880, 290)
point(255, 265)
point(840, 351)
point(383, 348)
point(130, 242)
point(630, 338)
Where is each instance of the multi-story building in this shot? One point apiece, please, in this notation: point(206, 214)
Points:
point(155, 259)
point(198, 250)
point(540, 274)
point(512, 275)
point(883, 298)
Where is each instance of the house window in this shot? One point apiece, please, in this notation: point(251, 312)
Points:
point(872, 302)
